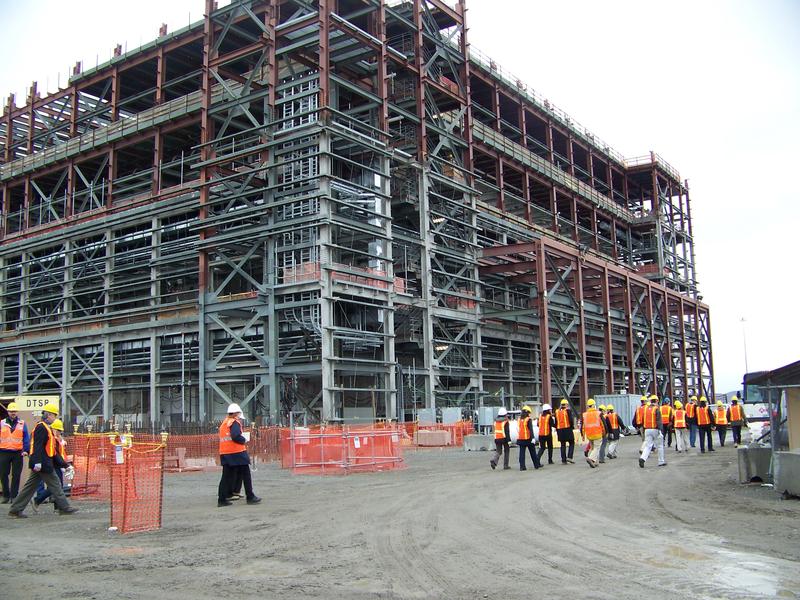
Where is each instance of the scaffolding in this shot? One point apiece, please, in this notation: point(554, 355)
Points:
point(336, 208)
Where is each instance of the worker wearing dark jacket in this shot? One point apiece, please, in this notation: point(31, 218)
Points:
point(14, 443)
point(234, 458)
point(525, 440)
point(615, 423)
point(705, 421)
point(547, 423)
point(737, 420)
point(43, 461)
point(564, 430)
point(502, 437)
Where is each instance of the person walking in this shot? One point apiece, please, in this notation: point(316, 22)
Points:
point(679, 424)
point(615, 424)
point(691, 420)
point(564, 430)
point(547, 423)
point(43, 492)
point(721, 421)
point(666, 421)
point(592, 430)
point(638, 417)
point(604, 443)
point(737, 420)
point(14, 443)
point(502, 436)
point(43, 461)
point(705, 421)
point(525, 440)
point(653, 438)
point(234, 458)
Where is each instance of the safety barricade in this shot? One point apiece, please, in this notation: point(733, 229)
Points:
point(91, 454)
point(136, 479)
point(435, 435)
point(340, 450)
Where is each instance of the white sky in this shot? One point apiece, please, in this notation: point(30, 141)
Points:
point(712, 86)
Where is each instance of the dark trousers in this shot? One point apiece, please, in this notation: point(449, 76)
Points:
point(737, 434)
point(43, 492)
point(568, 438)
point(705, 434)
point(528, 446)
point(228, 480)
point(500, 447)
point(10, 463)
point(692, 433)
point(29, 489)
point(667, 432)
point(546, 441)
point(722, 431)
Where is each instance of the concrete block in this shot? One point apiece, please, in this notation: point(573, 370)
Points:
point(433, 438)
point(754, 462)
point(787, 472)
point(477, 442)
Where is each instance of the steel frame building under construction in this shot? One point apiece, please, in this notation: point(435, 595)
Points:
point(332, 207)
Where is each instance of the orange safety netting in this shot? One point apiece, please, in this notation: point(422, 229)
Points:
point(340, 450)
point(436, 435)
point(91, 454)
point(137, 486)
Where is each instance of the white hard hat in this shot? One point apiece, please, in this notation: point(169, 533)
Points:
point(547, 407)
point(502, 412)
point(234, 408)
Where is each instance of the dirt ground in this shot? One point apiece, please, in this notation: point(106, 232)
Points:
point(445, 527)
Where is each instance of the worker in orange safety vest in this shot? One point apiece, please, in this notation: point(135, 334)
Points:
point(638, 417)
point(653, 437)
point(234, 458)
point(525, 440)
point(705, 421)
point(691, 419)
point(14, 443)
point(593, 428)
point(666, 421)
point(615, 424)
point(565, 425)
point(502, 437)
point(680, 424)
point(737, 420)
point(547, 423)
point(721, 421)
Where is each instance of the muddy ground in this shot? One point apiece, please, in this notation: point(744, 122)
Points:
point(445, 527)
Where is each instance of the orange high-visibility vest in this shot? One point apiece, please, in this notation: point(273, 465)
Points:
point(703, 417)
point(524, 429)
point(562, 418)
point(651, 417)
point(640, 414)
point(11, 440)
point(499, 430)
point(62, 450)
point(736, 413)
point(50, 445)
point(665, 414)
point(592, 427)
point(690, 410)
point(680, 419)
point(721, 417)
point(544, 425)
point(226, 444)
point(613, 420)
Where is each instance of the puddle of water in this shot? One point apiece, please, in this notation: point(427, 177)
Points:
point(679, 552)
point(755, 573)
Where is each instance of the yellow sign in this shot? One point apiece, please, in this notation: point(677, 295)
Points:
point(31, 402)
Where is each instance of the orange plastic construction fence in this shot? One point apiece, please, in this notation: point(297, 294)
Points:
point(137, 487)
point(340, 450)
point(91, 454)
point(435, 435)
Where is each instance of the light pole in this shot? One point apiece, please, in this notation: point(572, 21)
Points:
point(744, 341)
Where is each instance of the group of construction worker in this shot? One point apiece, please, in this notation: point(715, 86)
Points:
point(657, 422)
point(47, 456)
point(600, 426)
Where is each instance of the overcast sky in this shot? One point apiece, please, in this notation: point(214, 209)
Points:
point(712, 86)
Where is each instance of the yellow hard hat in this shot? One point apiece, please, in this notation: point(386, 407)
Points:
point(693, 399)
point(564, 402)
point(602, 407)
point(719, 403)
point(590, 402)
point(703, 399)
point(609, 407)
point(50, 408)
point(58, 425)
point(678, 404)
point(643, 399)
point(12, 406)
point(653, 397)
point(526, 408)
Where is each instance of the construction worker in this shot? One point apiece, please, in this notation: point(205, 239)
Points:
point(721, 421)
point(502, 436)
point(592, 429)
point(43, 460)
point(737, 420)
point(615, 424)
point(604, 443)
point(705, 421)
point(234, 458)
point(653, 437)
point(547, 422)
point(638, 417)
point(666, 421)
point(42, 492)
point(680, 424)
point(691, 419)
point(525, 440)
point(564, 426)
point(14, 443)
